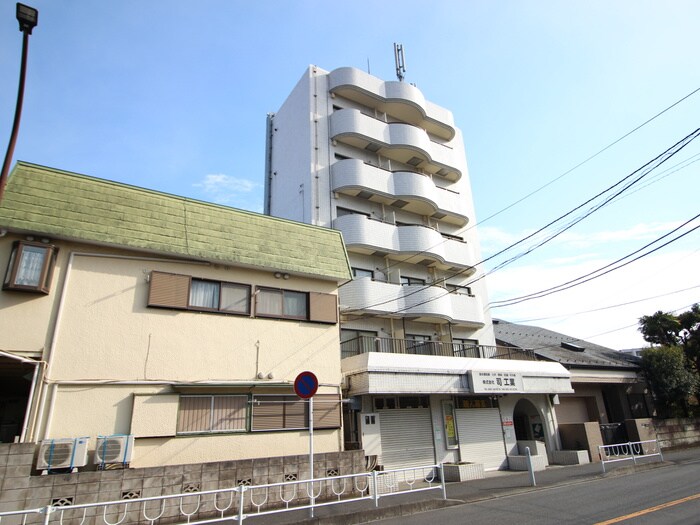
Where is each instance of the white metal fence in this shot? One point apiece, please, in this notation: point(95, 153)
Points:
point(238, 503)
point(630, 451)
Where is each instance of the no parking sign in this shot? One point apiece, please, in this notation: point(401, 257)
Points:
point(306, 385)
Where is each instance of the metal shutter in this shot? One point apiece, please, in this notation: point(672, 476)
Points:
point(481, 437)
point(407, 438)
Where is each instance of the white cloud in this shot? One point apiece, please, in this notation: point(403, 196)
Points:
point(224, 189)
point(646, 284)
point(494, 239)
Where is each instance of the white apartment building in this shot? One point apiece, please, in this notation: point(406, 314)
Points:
point(387, 168)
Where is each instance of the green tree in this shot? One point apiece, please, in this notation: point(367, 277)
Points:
point(682, 330)
point(670, 381)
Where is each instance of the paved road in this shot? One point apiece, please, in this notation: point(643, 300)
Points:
point(667, 495)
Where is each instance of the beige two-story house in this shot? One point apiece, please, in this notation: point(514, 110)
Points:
point(176, 323)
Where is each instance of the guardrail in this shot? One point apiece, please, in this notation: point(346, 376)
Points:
point(239, 503)
point(630, 451)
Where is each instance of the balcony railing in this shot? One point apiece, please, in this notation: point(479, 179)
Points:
point(364, 344)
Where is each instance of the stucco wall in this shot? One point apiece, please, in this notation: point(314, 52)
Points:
point(106, 330)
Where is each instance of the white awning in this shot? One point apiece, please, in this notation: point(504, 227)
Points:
point(380, 373)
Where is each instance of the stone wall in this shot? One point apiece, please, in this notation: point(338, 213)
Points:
point(22, 487)
point(679, 432)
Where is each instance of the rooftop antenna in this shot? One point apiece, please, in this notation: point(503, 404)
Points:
point(400, 62)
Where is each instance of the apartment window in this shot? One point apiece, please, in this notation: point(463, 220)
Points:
point(340, 211)
point(359, 273)
point(281, 303)
point(407, 281)
point(190, 293)
point(204, 294)
point(453, 237)
point(462, 347)
point(202, 414)
point(419, 344)
point(462, 290)
point(30, 267)
point(182, 292)
point(354, 342)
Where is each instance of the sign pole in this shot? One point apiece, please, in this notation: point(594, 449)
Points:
point(311, 453)
point(305, 386)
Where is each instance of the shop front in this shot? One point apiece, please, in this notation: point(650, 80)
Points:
point(411, 410)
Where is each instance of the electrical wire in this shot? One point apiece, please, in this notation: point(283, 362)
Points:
point(587, 159)
point(591, 157)
point(661, 158)
point(591, 275)
point(602, 308)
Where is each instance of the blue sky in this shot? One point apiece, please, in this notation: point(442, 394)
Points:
point(172, 95)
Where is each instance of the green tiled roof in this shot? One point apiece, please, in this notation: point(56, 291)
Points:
point(76, 207)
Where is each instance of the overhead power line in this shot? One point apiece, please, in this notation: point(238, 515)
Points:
point(587, 159)
point(645, 169)
point(609, 307)
point(599, 272)
point(422, 252)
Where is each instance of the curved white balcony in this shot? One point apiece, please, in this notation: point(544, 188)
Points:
point(398, 99)
point(416, 192)
point(401, 142)
point(430, 304)
point(411, 243)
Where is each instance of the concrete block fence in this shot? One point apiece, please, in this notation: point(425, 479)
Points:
point(22, 487)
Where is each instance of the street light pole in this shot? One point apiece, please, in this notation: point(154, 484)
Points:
point(28, 18)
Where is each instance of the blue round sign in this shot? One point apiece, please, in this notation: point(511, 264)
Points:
point(306, 385)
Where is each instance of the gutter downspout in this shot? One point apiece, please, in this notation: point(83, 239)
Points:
point(30, 402)
point(54, 336)
point(268, 163)
point(49, 354)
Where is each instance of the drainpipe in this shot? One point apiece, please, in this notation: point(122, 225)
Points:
point(49, 354)
point(30, 402)
point(268, 163)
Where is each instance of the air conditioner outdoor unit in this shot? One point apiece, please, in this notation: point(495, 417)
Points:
point(62, 453)
point(114, 449)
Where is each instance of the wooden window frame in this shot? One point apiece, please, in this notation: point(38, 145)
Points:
point(45, 275)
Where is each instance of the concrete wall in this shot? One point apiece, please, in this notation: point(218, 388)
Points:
point(21, 489)
point(679, 432)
